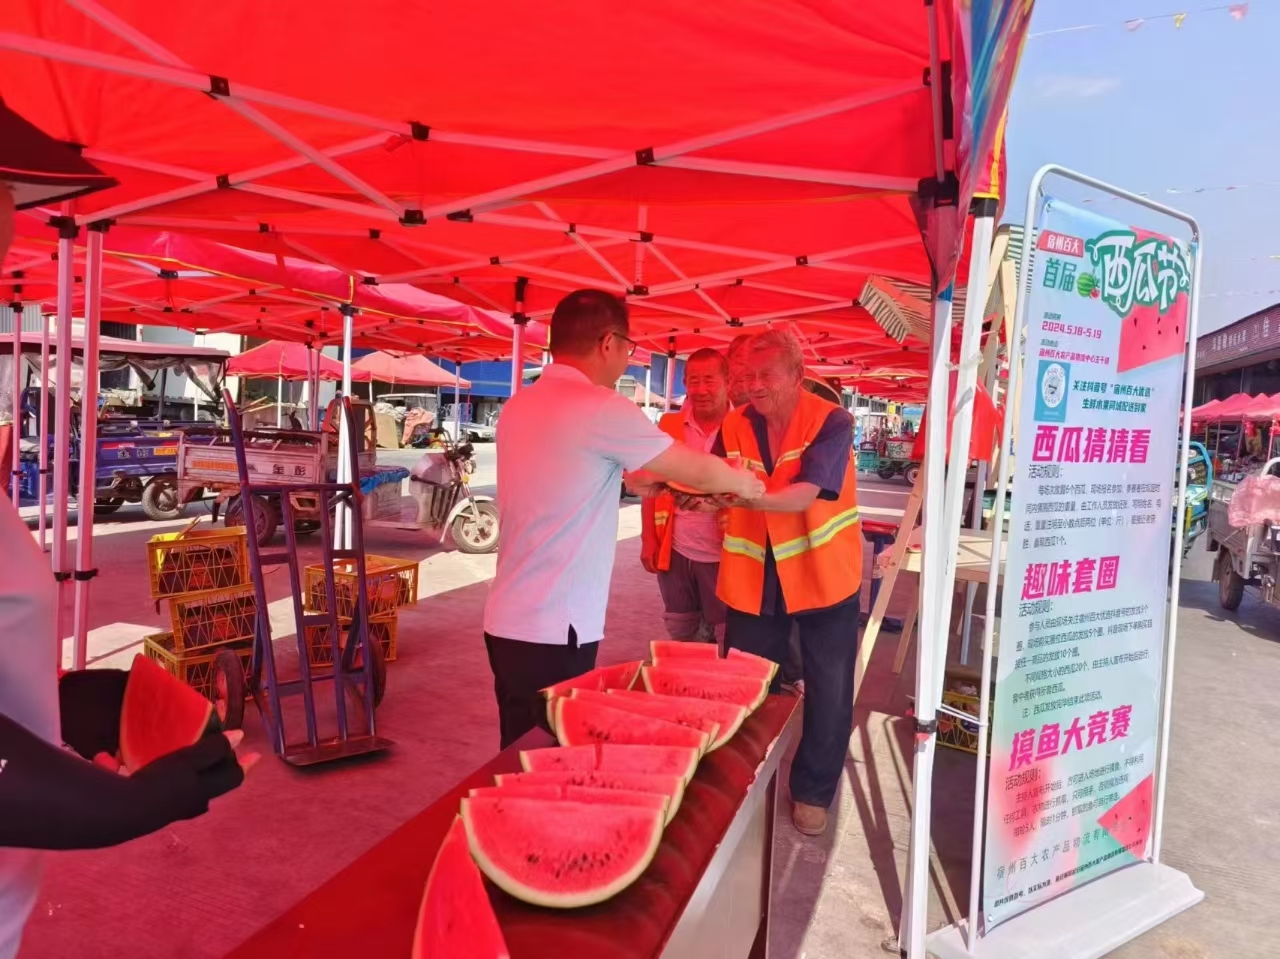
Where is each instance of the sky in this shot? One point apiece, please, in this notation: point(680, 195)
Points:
point(1161, 108)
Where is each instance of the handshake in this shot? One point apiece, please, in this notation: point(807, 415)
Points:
point(743, 487)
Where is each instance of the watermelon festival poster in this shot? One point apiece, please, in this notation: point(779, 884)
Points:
point(1076, 709)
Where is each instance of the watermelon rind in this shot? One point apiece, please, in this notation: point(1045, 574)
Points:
point(736, 657)
point(619, 676)
point(670, 786)
point(730, 716)
point(159, 705)
point(646, 705)
point(579, 723)
point(704, 684)
point(444, 929)
point(681, 649)
point(573, 825)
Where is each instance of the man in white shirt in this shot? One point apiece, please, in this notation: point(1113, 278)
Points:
point(680, 542)
point(563, 444)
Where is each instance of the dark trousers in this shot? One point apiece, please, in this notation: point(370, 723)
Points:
point(522, 670)
point(828, 648)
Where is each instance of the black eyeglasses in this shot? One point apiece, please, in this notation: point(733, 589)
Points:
point(632, 345)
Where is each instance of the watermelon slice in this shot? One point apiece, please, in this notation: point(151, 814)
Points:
point(728, 715)
point(747, 664)
point(645, 705)
point(672, 787)
point(455, 920)
point(1128, 822)
point(662, 760)
point(161, 714)
point(571, 793)
point(561, 854)
point(704, 684)
point(579, 723)
point(621, 676)
point(678, 649)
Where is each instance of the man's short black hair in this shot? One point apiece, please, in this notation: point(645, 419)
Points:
point(708, 355)
point(582, 318)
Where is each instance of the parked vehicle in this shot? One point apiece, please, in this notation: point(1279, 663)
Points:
point(896, 459)
point(1248, 556)
point(1198, 481)
point(440, 482)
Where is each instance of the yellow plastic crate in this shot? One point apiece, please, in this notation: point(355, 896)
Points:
point(196, 560)
point(215, 617)
point(956, 733)
point(194, 669)
point(382, 629)
point(390, 584)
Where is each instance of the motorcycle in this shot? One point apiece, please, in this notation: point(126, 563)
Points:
point(440, 484)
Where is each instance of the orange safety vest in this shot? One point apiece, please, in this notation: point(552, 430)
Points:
point(658, 513)
point(818, 552)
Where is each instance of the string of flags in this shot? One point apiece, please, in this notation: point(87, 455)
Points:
point(1237, 12)
point(1188, 191)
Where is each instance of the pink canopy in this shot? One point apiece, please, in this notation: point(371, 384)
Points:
point(1262, 408)
point(287, 361)
point(409, 368)
point(1232, 408)
point(1205, 412)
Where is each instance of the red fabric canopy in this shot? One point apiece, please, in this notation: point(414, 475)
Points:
point(1232, 408)
point(754, 180)
point(1204, 412)
point(987, 424)
point(289, 361)
point(408, 368)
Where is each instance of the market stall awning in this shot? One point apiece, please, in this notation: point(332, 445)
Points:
point(755, 180)
point(1204, 412)
point(287, 361)
point(407, 369)
point(1231, 409)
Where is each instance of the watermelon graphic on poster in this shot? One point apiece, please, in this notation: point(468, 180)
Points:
point(1076, 711)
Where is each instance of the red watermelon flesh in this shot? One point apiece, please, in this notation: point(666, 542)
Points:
point(161, 714)
point(579, 723)
point(672, 787)
point(645, 705)
point(679, 649)
point(561, 854)
point(730, 716)
point(748, 664)
point(621, 676)
point(679, 761)
point(1128, 822)
point(587, 794)
point(455, 920)
point(704, 684)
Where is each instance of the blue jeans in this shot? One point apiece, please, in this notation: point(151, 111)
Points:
point(828, 648)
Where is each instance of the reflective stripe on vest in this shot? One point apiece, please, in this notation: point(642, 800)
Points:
point(818, 537)
point(744, 547)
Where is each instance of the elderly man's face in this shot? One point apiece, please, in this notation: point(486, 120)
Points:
point(706, 387)
point(738, 394)
point(771, 386)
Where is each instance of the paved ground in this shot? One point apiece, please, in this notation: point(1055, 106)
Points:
point(196, 889)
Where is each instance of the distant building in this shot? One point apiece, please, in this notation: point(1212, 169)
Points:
point(1241, 357)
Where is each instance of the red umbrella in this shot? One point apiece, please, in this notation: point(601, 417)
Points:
point(287, 361)
point(408, 368)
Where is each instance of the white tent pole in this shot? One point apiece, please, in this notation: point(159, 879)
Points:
point(88, 446)
point(648, 384)
point(62, 428)
point(15, 459)
point(279, 400)
point(518, 321)
point(991, 361)
point(342, 530)
point(670, 375)
point(43, 431)
point(916, 902)
point(457, 400)
point(983, 210)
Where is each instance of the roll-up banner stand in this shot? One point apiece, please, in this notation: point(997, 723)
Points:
point(1070, 809)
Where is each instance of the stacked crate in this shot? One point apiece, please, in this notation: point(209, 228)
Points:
point(203, 576)
point(390, 583)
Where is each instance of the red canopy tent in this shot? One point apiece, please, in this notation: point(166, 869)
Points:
point(1231, 409)
point(1204, 412)
point(407, 368)
point(289, 361)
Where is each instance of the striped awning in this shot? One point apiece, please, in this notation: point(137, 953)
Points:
point(901, 307)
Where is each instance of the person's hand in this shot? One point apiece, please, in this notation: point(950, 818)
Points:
point(234, 738)
point(648, 565)
point(747, 486)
